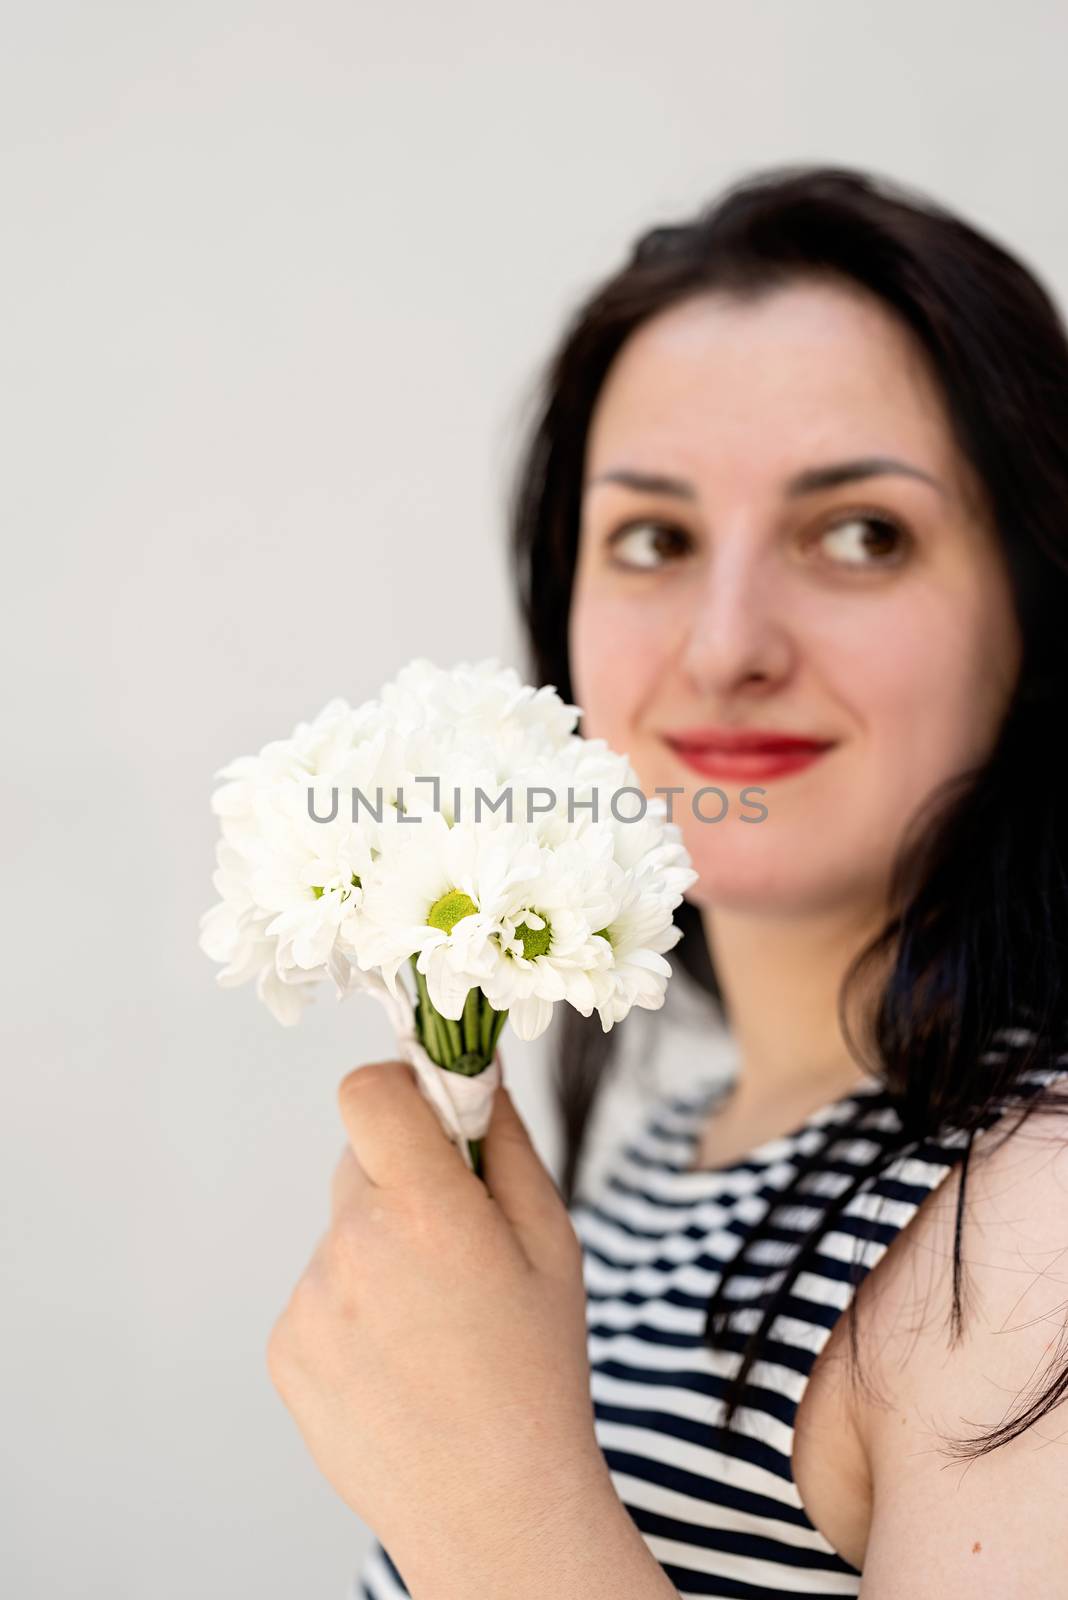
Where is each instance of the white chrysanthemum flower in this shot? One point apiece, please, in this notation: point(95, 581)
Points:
point(653, 848)
point(547, 937)
point(445, 768)
point(481, 698)
point(637, 973)
point(436, 892)
point(289, 883)
point(582, 776)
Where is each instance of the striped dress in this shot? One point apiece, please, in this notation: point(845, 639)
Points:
point(655, 1236)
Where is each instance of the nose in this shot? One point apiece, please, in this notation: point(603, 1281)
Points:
point(737, 635)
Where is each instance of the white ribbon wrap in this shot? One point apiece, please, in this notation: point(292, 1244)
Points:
point(463, 1104)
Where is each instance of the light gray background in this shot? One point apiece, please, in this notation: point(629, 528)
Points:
point(276, 280)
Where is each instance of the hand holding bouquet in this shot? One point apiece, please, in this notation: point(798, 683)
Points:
point(459, 825)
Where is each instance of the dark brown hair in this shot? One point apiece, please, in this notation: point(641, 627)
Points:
point(979, 933)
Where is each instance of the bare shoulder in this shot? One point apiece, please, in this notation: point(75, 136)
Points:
point(985, 1524)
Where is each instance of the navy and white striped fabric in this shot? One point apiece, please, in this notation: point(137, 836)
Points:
point(655, 1237)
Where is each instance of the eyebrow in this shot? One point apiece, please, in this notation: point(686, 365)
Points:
point(810, 481)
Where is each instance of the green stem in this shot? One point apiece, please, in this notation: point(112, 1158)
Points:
point(420, 1000)
point(446, 1039)
point(471, 1019)
point(455, 1037)
point(427, 1021)
point(499, 1020)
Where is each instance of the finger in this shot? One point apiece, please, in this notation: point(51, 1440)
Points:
point(394, 1132)
point(349, 1186)
point(521, 1184)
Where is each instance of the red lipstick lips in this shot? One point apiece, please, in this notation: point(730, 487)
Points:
point(745, 753)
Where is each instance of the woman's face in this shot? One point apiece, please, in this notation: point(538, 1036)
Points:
point(873, 612)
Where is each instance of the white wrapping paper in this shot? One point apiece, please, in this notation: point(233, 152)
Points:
point(463, 1105)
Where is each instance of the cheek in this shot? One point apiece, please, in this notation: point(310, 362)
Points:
point(930, 689)
point(617, 651)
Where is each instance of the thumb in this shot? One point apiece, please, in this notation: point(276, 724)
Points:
point(521, 1184)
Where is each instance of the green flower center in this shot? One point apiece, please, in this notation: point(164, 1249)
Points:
point(448, 911)
point(318, 891)
point(535, 941)
point(603, 933)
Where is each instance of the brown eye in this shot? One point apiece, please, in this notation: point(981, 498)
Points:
point(645, 544)
point(865, 539)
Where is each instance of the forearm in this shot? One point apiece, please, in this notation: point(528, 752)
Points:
point(581, 1546)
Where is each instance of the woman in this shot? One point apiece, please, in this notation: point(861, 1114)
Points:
point(797, 486)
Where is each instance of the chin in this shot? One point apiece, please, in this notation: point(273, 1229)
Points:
point(747, 881)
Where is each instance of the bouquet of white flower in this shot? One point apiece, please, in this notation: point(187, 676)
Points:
point(459, 824)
